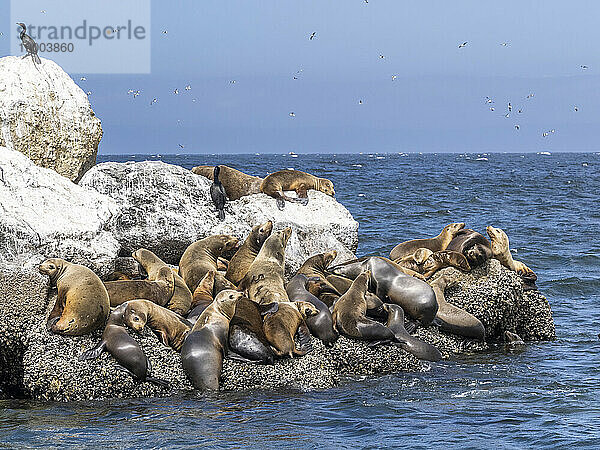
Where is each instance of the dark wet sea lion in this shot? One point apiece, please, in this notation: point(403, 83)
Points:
point(82, 304)
point(513, 338)
point(446, 258)
point(436, 244)
point(181, 299)
point(159, 291)
point(501, 251)
point(473, 245)
point(275, 184)
point(246, 254)
point(123, 348)
point(264, 281)
point(453, 319)
point(411, 344)
point(237, 184)
point(201, 256)
point(170, 327)
point(393, 286)
point(281, 326)
point(321, 324)
point(246, 335)
point(206, 344)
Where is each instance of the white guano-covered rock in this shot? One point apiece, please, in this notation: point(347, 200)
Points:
point(46, 116)
point(43, 214)
point(165, 208)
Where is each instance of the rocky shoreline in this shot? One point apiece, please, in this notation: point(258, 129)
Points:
point(119, 207)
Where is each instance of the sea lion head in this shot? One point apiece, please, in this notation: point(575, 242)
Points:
point(498, 240)
point(306, 309)
point(453, 228)
point(135, 317)
point(226, 301)
point(362, 281)
point(52, 267)
point(421, 255)
point(263, 231)
point(326, 186)
point(144, 256)
point(328, 258)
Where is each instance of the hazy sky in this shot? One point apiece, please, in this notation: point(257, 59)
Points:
point(436, 103)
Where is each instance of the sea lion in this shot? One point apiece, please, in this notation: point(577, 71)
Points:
point(244, 257)
point(281, 326)
point(246, 334)
point(473, 245)
point(451, 318)
point(237, 184)
point(202, 296)
point(393, 286)
point(342, 284)
point(501, 251)
point(445, 258)
point(123, 348)
point(181, 299)
point(201, 256)
point(321, 324)
point(159, 291)
point(316, 266)
point(82, 304)
point(415, 260)
point(205, 346)
point(513, 338)
point(222, 264)
point(264, 279)
point(170, 327)
point(411, 344)
point(275, 184)
point(349, 314)
point(436, 244)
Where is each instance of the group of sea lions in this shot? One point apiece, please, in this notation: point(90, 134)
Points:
point(231, 300)
point(229, 183)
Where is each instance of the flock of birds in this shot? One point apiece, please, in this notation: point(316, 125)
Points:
point(136, 92)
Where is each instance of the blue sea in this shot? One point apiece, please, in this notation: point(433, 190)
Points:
point(548, 395)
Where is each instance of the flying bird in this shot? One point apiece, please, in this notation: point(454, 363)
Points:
point(176, 91)
point(509, 107)
point(182, 146)
point(312, 35)
point(394, 77)
point(83, 78)
point(188, 88)
point(217, 193)
point(584, 67)
point(360, 102)
point(530, 95)
point(576, 109)
point(504, 44)
point(464, 44)
point(517, 127)
point(154, 100)
point(381, 56)
point(292, 114)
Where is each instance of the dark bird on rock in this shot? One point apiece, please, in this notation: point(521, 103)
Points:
point(217, 193)
point(29, 44)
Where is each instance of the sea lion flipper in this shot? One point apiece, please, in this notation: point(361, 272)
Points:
point(239, 358)
point(270, 308)
point(162, 336)
point(158, 382)
point(51, 322)
point(411, 326)
point(94, 352)
point(304, 338)
point(280, 203)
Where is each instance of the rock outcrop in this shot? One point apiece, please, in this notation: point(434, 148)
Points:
point(43, 214)
point(46, 116)
point(37, 364)
point(165, 208)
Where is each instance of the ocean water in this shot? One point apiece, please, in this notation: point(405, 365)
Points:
point(546, 395)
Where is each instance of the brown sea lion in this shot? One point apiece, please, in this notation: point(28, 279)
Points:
point(222, 264)
point(244, 257)
point(342, 284)
point(473, 245)
point(275, 184)
point(436, 244)
point(202, 296)
point(281, 326)
point(415, 260)
point(264, 281)
point(445, 258)
point(451, 318)
point(237, 184)
point(316, 266)
point(170, 327)
point(321, 324)
point(159, 291)
point(181, 299)
point(350, 314)
point(123, 348)
point(82, 304)
point(246, 334)
point(501, 251)
point(201, 256)
point(206, 344)
point(393, 286)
